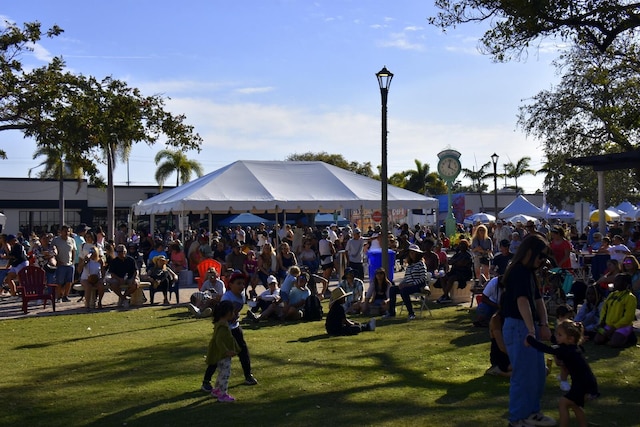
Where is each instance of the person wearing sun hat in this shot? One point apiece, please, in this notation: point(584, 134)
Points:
point(162, 277)
point(415, 280)
point(337, 323)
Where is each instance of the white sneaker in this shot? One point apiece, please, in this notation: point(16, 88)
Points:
point(494, 370)
point(540, 419)
point(194, 310)
point(207, 312)
point(372, 324)
point(565, 386)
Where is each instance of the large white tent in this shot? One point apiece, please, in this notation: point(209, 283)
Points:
point(521, 206)
point(279, 186)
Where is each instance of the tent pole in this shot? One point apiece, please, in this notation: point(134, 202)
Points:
point(602, 223)
point(210, 219)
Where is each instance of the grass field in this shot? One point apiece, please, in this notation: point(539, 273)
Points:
point(144, 368)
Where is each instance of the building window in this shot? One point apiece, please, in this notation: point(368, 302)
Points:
point(45, 221)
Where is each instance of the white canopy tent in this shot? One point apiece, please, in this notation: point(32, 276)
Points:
point(279, 186)
point(521, 206)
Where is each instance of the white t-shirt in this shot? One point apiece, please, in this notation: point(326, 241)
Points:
point(354, 249)
point(492, 290)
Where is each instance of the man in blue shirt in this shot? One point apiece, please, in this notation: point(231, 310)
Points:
point(297, 297)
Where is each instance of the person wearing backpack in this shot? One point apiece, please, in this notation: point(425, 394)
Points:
point(297, 298)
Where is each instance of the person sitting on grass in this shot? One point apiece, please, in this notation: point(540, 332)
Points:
point(500, 364)
point(589, 312)
point(584, 385)
point(378, 293)
point(268, 302)
point(355, 288)
point(461, 271)
point(288, 284)
point(618, 314)
point(222, 348)
point(297, 298)
point(203, 301)
point(337, 323)
point(489, 302)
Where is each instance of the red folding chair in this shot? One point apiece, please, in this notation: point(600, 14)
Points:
point(33, 286)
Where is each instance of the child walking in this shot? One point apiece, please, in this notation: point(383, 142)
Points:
point(221, 348)
point(584, 385)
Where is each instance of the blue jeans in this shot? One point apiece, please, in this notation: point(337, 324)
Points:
point(529, 371)
point(405, 293)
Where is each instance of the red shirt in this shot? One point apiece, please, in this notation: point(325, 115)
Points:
point(558, 249)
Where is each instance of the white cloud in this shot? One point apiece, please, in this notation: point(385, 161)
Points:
point(377, 26)
point(252, 90)
point(413, 28)
point(272, 132)
point(40, 53)
point(401, 41)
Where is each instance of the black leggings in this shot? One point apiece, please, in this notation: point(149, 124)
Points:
point(245, 360)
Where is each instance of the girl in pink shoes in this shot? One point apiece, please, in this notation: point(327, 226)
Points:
point(222, 348)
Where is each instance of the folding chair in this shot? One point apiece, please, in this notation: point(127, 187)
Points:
point(421, 299)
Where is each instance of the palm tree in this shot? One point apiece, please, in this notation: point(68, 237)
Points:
point(419, 179)
point(176, 161)
point(56, 167)
point(477, 177)
point(519, 169)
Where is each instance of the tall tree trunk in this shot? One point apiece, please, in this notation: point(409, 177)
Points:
point(480, 192)
point(110, 194)
point(61, 192)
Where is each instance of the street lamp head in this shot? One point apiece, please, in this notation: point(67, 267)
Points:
point(384, 78)
point(494, 159)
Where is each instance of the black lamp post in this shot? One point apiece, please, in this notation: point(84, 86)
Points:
point(384, 80)
point(494, 159)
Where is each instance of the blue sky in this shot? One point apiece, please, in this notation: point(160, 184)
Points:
point(261, 79)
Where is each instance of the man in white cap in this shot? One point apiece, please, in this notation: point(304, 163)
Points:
point(268, 302)
point(355, 249)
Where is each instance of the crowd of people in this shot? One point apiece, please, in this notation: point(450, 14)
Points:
point(512, 263)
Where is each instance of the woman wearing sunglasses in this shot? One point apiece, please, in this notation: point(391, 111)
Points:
point(525, 315)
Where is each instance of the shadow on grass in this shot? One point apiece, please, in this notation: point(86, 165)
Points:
point(396, 398)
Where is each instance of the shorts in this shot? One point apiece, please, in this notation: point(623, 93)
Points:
point(64, 274)
point(18, 267)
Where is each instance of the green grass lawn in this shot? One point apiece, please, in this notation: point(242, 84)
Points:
point(144, 367)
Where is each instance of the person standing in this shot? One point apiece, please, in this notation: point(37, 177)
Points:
point(525, 315)
point(66, 247)
point(17, 260)
point(222, 348)
point(355, 250)
point(236, 296)
point(326, 251)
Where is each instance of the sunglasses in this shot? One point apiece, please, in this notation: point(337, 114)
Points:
point(379, 272)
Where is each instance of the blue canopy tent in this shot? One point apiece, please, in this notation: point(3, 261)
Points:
point(328, 219)
point(244, 219)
